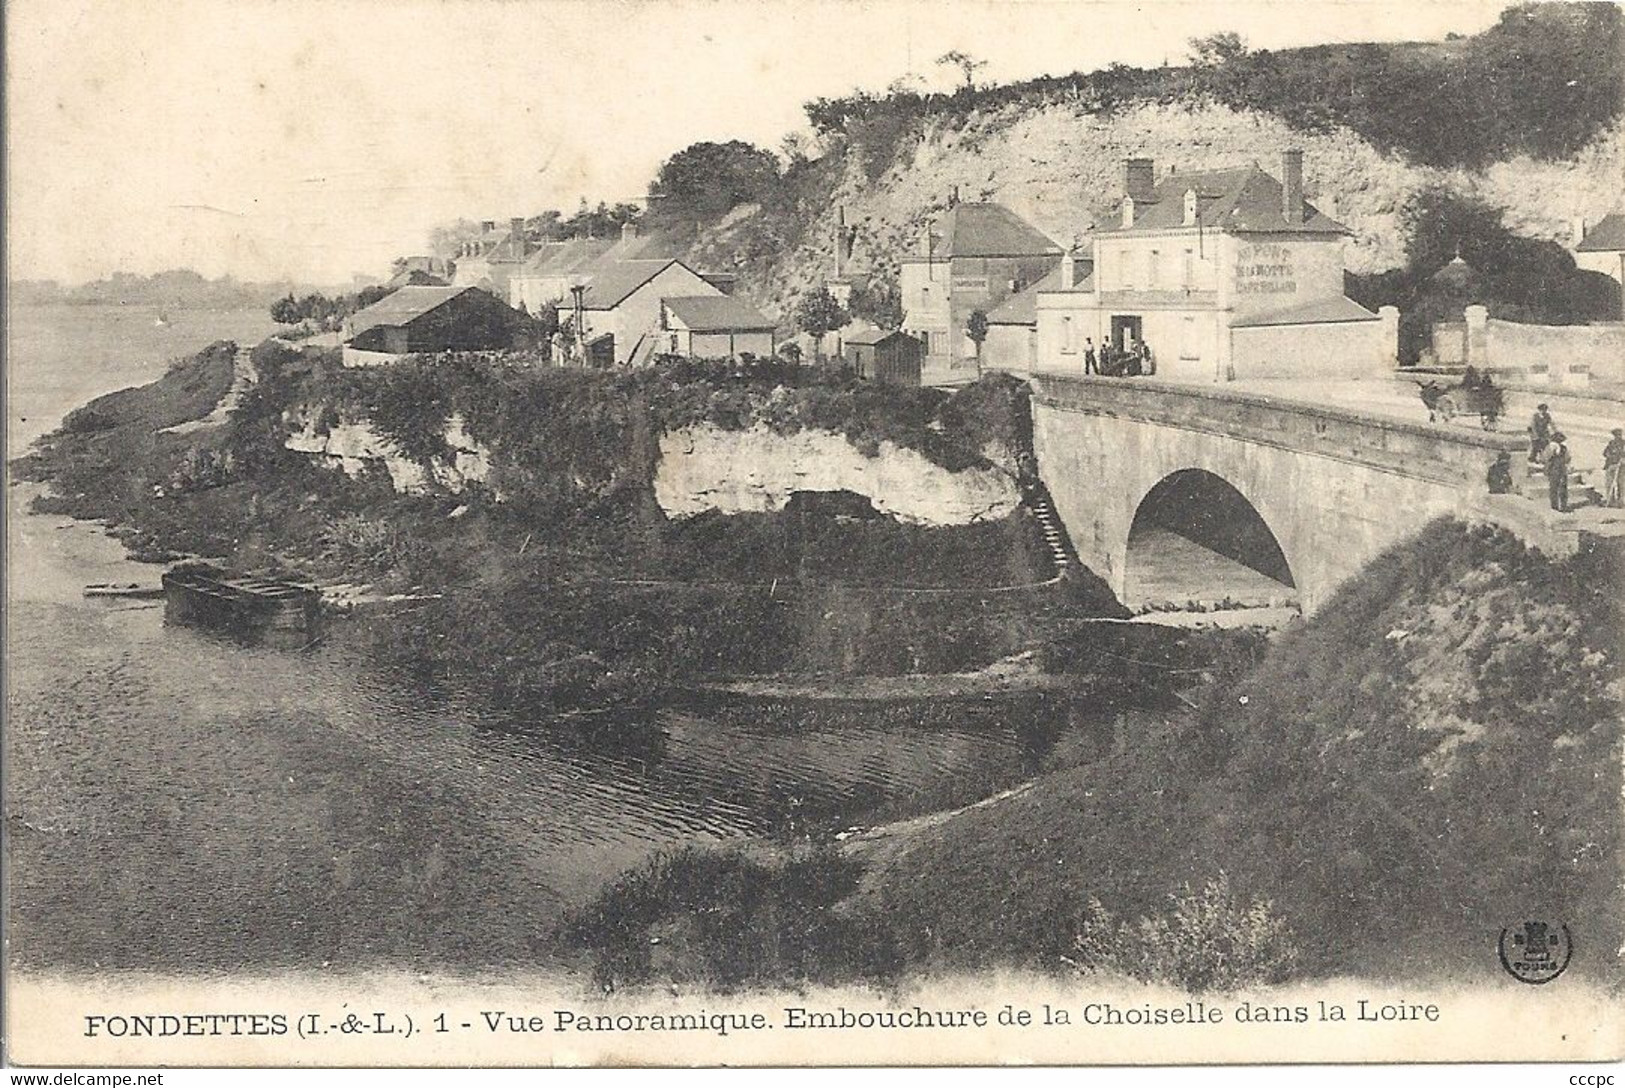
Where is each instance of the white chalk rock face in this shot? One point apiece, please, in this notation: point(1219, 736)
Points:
point(704, 468)
point(353, 446)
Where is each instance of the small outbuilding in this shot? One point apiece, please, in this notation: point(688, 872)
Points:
point(416, 319)
point(716, 327)
point(885, 356)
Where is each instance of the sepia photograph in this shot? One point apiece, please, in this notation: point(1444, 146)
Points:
point(697, 533)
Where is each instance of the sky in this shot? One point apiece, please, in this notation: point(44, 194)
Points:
point(316, 139)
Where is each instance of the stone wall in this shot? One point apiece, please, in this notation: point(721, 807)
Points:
point(703, 468)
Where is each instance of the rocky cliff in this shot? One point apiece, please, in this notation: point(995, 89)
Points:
point(1055, 163)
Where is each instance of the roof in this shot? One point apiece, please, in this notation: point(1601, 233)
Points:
point(609, 283)
point(988, 230)
point(1607, 236)
point(716, 313)
point(403, 306)
point(874, 336)
point(1243, 200)
point(1326, 311)
point(1021, 308)
point(579, 254)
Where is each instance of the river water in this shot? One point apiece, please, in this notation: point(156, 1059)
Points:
point(178, 802)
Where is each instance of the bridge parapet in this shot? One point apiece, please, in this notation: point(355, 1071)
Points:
point(1437, 454)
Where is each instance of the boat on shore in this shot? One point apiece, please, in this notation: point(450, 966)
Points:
point(253, 608)
point(126, 590)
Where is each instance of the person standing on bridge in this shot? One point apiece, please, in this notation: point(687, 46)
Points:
point(1613, 469)
point(1557, 472)
point(1090, 366)
point(1540, 433)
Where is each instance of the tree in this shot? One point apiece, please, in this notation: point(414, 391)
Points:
point(817, 315)
point(966, 63)
point(1217, 49)
point(976, 329)
point(879, 301)
point(285, 310)
point(705, 181)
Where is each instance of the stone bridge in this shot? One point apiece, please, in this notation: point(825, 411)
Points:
point(1185, 493)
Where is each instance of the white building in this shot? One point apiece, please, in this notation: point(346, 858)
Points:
point(1222, 274)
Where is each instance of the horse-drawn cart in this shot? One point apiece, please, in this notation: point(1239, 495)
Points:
point(1473, 395)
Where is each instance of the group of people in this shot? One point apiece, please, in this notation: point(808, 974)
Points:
point(1115, 362)
point(1548, 448)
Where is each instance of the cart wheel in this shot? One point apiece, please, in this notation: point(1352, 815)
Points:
point(1447, 408)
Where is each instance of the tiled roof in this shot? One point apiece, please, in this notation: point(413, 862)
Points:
point(1607, 236)
point(610, 282)
point(988, 230)
point(1242, 200)
point(562, 258)
point(403, 306)
point(1324, 311)
point(716, 313)
point(1021, 308)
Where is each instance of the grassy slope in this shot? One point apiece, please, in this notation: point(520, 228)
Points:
point(1438, 749)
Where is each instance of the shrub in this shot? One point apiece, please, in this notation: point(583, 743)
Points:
point(1207, 940)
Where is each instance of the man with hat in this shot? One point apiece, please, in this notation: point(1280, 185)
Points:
point(1540, 432)
point(1557, 472)
point(1613, 469)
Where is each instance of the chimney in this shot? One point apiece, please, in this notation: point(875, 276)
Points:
point(487, 226)
point(516, 227)
point(1069, 272)
point(1292, 185)
point(629, 231)
point(1139, 179)
point(953, 199)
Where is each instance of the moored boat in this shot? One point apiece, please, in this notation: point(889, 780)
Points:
point(270, 611)
point(124, 589)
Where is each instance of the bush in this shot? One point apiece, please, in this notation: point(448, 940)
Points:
point(1207, 940)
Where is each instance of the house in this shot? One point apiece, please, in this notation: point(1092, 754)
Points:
point(892, 357)
point(715, 327)
point(490, 260)
point(548, 274)
point(420, 271)
point(973, 258)
point(1602, 249)
point(1012, 326)
point(1222, 274)
point(417, 319)
point(616, 306)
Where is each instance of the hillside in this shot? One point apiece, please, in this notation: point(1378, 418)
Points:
point(1525, 117)
point(1055, 164)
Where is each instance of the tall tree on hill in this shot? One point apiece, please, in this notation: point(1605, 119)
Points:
point(705, 181)
point(819, 314)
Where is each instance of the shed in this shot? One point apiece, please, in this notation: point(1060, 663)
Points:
point(716, 327)
point(416, 319)
point(886, 356)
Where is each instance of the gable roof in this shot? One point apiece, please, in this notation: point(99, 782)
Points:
point(717, 313)
point(988, 230)
point(1242, 200)
point(1607, 236)
point(609, 283)
point(1325, 311)
point(405, 305)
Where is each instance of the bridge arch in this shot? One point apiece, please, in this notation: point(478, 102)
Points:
point(1196, 537)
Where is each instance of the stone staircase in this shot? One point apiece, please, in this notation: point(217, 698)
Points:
point(1037, 499)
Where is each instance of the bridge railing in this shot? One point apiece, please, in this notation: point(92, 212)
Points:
point(1434, 452)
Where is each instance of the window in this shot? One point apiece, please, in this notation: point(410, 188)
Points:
point(1152, 259)
point(1128, 270)
point(1188, 272)
point(1188, 347)
point(1069, 337)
